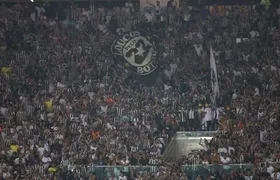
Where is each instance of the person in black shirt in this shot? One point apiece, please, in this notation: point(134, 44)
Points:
point(143, 160)
point(68, 175)
point(133, 160)
point(18, 170)
point(57, 146)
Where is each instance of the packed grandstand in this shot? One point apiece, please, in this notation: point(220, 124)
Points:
point(99, 92)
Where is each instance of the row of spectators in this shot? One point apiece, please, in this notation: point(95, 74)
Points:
point(65, 101)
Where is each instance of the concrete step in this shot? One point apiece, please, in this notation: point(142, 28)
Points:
point(185, 142)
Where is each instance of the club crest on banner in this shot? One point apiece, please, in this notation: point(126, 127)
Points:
point(137, 51)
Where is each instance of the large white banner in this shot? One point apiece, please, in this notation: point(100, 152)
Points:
point(214, 77)
point(163, 3)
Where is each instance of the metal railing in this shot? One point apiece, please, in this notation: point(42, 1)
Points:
point(204, 171)
point(191, 170)
point(196, 133)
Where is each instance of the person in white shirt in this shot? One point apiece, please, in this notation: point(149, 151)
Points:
point(125, 161)
point(20, 160)
point(40, 11)
point(102, 27)
point(208, 117)
point(248, 177)
point(157, 7)
point(278, 11)
point(275, 176)
point(198, 48)
point(157, 10)
point(46, 160)
point(41, 151)
point(149, 17)
point(86, 13)
point(254, 34)
point(187, 15)
point(122, 176)
point(222, 150)
point(225, 159)
point(270, 169)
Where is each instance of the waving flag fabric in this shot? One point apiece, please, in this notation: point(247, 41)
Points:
point(214, 78)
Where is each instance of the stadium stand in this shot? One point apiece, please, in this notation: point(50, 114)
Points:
point(70, 110)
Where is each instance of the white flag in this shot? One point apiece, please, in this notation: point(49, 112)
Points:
point(214, 77)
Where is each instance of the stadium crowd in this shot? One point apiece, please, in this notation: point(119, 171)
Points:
point(65, 102)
